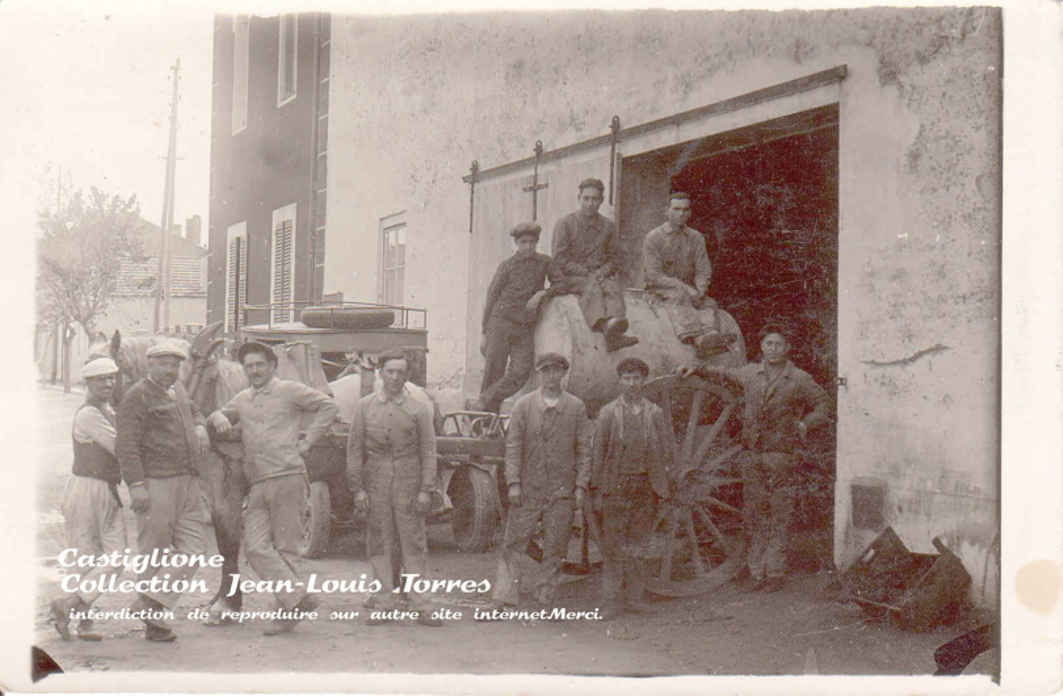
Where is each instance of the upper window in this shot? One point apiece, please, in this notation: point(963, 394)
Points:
point(392, 260)
point(241, 65)
point(282, 270)
point(287, 52)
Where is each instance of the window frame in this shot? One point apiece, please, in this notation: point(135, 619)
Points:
point(241, 48)
point(282, 41)
point(394, 222)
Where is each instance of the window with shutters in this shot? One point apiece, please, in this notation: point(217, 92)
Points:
point(235, 275)
point(392, 259)
point(241, 66)
point(286, 58)
point(282, 266)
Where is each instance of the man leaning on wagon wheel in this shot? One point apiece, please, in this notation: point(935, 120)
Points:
point(782, 403)
point(269, 412)
point(92, 511)
point(586, 260)
point(161, 444)
point(391, 464)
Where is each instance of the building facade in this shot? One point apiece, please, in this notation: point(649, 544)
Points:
point(269, 126)
point(845, 168)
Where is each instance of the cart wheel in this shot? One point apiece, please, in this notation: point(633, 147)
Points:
point(475, 516)
point(697, 543)
point(317, 520)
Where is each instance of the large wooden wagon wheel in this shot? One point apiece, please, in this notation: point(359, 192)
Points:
point(697, 542)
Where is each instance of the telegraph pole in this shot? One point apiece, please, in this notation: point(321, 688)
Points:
point(162, 297)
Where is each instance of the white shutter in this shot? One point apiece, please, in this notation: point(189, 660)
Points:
point(235, 275)
point(282, 271)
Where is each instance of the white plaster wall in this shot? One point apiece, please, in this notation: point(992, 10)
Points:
point(414, 100)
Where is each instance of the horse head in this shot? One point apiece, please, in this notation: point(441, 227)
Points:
point(212, 378)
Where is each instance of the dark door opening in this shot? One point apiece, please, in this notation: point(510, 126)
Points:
point(766, 199)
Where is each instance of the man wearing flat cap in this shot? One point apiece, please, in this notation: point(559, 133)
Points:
point(782, 403)
point(272, 414)
point(92, 511)
point(547, 469)
point(161, 444)
point(509, 318)
point(632, 453)
point(587, 261)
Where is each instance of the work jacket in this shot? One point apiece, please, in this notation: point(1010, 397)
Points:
point(609, 444)
point(772, 410)
point(156, 432)
point(548, 447)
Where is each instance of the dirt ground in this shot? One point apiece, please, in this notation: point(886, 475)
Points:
point(795, 631)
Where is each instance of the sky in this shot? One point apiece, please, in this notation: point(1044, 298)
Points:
point(94, 91)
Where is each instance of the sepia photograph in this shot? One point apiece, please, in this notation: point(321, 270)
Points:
point(603, 343)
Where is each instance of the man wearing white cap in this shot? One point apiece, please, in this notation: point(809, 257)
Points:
point(162, 439)
point(92, 511)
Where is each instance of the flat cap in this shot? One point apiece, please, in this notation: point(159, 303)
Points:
point(633, 365)
point(777, 326)
point(99, 367)
point(550, 359)
point(168, 347)
point(592, 182)
point(255, 347)
point(526, 228)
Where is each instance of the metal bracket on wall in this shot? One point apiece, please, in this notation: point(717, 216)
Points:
point(474, 174)
point(614, 127)
point(536, 186)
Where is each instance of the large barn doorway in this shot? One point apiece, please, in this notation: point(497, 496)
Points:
point(766, 199)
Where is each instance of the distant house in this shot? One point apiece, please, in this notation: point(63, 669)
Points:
point(132, 308)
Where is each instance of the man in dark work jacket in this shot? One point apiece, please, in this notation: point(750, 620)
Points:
point(162, 439)
point(509, 321)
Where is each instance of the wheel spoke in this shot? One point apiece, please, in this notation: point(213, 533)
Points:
point(666, 560)
point(720, 504)
point(707, 519)
point(722, 457)
point(695, 547)
point(714, 433)
point(692, 425)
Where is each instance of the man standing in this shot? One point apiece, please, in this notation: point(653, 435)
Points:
point(161, 442)
point(782, 403)
point(509, 321)
point(391, 463)
point(632, 453)
point(92, 511)
point(587, 259)
point(547, 469)
point(270, 413)
point(676, 269)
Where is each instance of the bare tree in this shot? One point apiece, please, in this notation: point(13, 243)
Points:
point(79, 255)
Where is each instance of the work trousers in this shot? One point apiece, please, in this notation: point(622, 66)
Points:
point(521, 525)
point(396, 538)
point(688, 322)
point(94, 525)
point(769, 493)
point(599, 300)
point(176, 519)
point(273, 529)
point(512, 342)
point(628, 512)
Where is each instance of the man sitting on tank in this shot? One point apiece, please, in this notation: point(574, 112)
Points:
point(586, 251)
point(509, 321)
point(676, 270)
